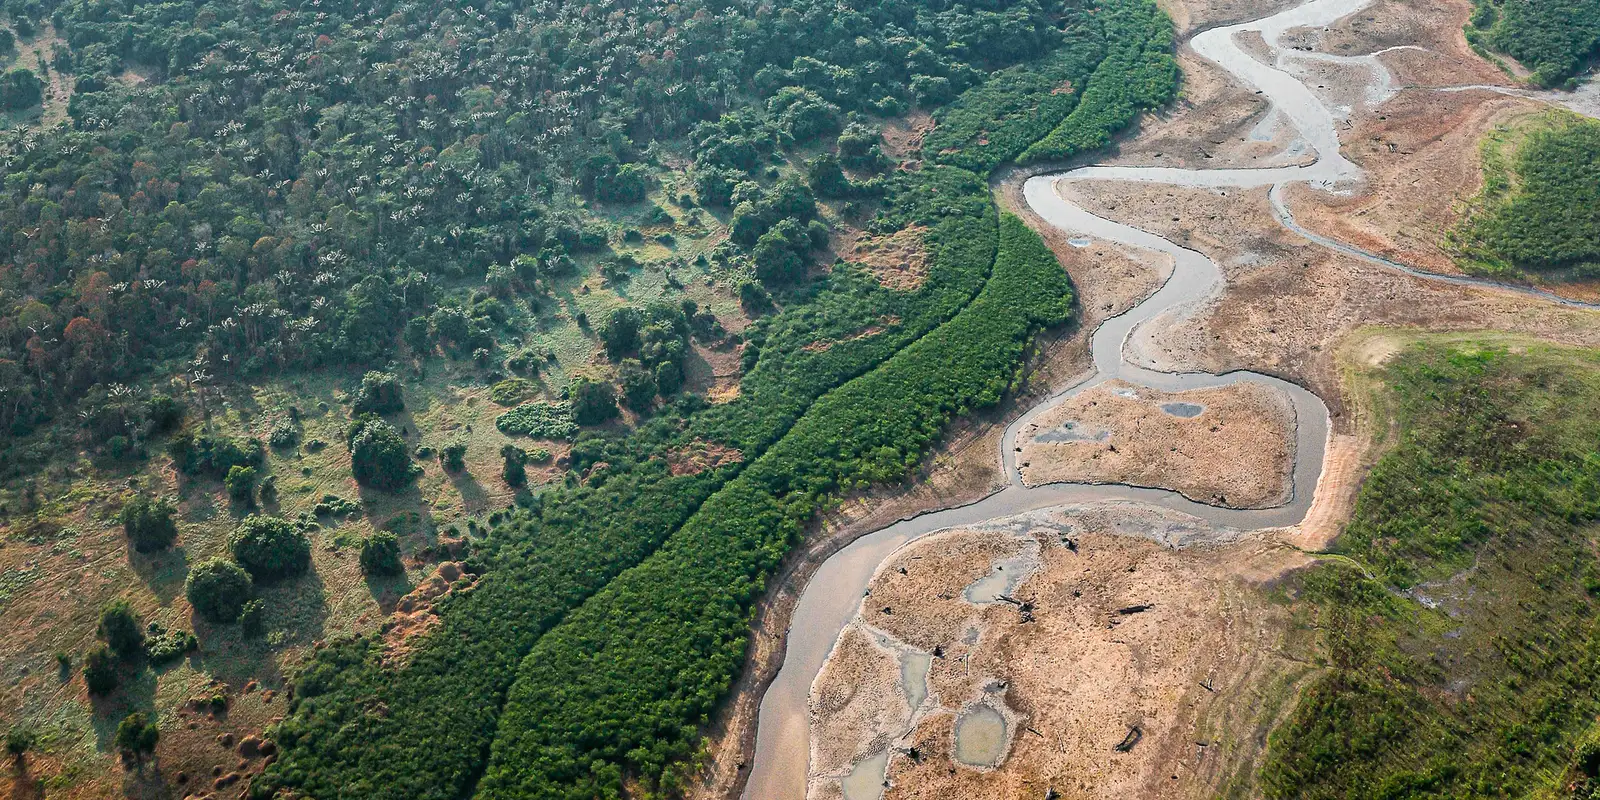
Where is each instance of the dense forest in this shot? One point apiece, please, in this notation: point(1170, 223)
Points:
point(1459, 633)
point(1539, 211)
point(1555, 39)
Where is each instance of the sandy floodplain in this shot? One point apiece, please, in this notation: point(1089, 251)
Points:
point(1227, 446)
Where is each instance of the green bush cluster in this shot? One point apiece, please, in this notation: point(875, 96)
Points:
point(270, 548)
point(1555, 39)
point(379, 457)
point(218, 590)
point(380, 554)
point(538, 420)
point(1540, 211)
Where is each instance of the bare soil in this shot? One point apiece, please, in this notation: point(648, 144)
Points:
point(1236, 451)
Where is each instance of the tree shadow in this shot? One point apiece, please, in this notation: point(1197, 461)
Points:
point(386, 590)
point(163, 572)
point(295, 612)
point(24, 786)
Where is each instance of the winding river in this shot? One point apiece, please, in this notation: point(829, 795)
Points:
point(831, 598)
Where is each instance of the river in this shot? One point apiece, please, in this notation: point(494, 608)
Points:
point(833, 595)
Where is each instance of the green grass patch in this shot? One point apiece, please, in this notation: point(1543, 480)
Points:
point(1539, 210)
point(538, 420)
point(1467, 665)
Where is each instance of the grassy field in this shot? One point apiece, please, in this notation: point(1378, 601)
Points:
point(1457, 633)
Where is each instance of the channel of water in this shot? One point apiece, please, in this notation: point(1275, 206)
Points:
point(833, 595)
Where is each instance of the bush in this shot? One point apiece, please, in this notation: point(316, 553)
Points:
point(283, 436)
point(120, 629)
point(593, 402)
point(453, 456)
point(378, 456)
point(163, 412)
point(205, 454)
point(100, 671)
point(379, 394)
point(252, 618)
point(217, 589)
point(513, 470)
point(638, 385)
point(149, 524)
point(270, 548)
point(241, 485)
point(20, 88)
point(137, 735)
point(162, 645)
point(380, 554)
point(538, 420)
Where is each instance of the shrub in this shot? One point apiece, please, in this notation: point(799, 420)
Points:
point(162, 645)
point(163, 412)
point(217, 589)
point(252, 618)
point(100, 671)
point(538, 420)
point(593, 402)
point(241, 485)
point(19, 740)
point(638, 385)
point(379, 394)
point(270, 548)
point(120, 629)
point(149, 524)
point(453, 456)
point(380, 554)
point(378, 456)
point(20, 88)
point(513, 471)
point(214, 455)
point(511, 390)
point(284, 435)
point(137, 735)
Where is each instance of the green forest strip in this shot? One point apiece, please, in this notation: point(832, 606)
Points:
point(1555, 39)
point(1539, 211)
point(359, 728)
point(621, 687)
point(1138, 74)
point(1468, 665)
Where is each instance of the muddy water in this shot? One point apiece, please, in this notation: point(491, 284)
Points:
point(832, 597)
point(980, 736)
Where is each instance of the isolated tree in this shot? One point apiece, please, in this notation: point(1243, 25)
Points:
point(137, 737)
point(380, 554)
point(19, 741)
point(121, 630)
point(20, 88)
point(620, 332)
point(270, 548)
point(218, 590)
point(241, 485)
point(149, 524)
point(513, 470)
point(593, 402)
point(453, 456)
point(378, 456)
point(100, 671)
point(379, 394)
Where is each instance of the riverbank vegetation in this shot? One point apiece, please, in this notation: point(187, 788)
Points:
point(1538, 214)
point(1554, 39)
point(1459, 639)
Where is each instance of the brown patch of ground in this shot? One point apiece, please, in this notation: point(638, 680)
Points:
point(1117, 632)
point(713, 371)
point(414, 614)
point(902, 138)
point(898, 260)
point(1236, 451)
point(699, 456)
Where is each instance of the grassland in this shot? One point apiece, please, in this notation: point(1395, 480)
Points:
point(1456, 632)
